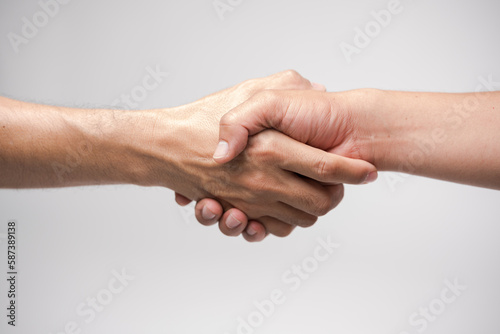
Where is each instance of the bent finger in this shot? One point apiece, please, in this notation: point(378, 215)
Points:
point(233, 222)
point(255, 231)
point(208, 211)
point(309, 199)
point(181, 199)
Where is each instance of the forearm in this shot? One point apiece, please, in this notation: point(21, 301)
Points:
point(453, 137)
point(47, 146)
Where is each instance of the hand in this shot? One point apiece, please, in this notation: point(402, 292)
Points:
point(220, 103)
point(323, 120)
point(426, 134)
point(232, 97)
point(209, 211)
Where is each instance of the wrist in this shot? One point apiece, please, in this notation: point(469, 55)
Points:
point(173, 149)
point(118, 140)
point(399, 130)
point(382, 129)
point(144, 145)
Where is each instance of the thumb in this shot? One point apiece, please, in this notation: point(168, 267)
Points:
point(251, 117)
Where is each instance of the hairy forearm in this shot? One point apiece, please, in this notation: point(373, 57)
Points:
point(453, 137)
point(48, 146)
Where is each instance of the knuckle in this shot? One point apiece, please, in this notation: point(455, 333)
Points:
point(292, 74)
point(323, 204)
point(329, 200)
point(262, 147)
point(325, 168)
point(229, 118)
point(295, 78)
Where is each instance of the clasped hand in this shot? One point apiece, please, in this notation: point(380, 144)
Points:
point(267, 183)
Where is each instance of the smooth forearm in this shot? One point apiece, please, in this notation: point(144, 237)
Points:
point(453, 137)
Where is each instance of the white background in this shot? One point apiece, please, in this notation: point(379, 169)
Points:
point(399, 243)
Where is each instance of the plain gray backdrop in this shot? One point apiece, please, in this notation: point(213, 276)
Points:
point(400, 241)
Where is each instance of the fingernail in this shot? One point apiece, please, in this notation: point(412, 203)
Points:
point(222, 149)
point(251, 231)
point(207, 214)
point(318, 86)
point(232, 222)
point(371, 177)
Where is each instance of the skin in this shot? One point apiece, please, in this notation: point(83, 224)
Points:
point(273, 181)
point(452, 137)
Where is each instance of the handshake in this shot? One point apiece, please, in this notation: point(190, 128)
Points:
point(261, 157)
point(262, 181)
